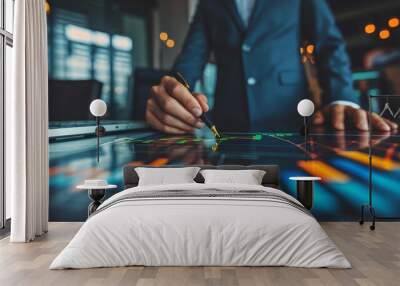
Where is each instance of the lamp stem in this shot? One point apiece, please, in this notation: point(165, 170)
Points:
point(98, 138)
point(305, 134)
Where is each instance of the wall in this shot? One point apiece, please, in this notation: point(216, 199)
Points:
point(172, 17)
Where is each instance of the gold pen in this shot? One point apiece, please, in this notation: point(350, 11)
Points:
point(179, 77)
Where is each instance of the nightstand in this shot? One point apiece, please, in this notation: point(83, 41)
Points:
point(96, 194)
point(305, 190)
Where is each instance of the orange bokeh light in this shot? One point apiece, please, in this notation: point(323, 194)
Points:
point(394, 22)
point(170, 43)
point(47, 7)
point(310, 49)
point(163, 36)
point(369, 28)
point(384, 34)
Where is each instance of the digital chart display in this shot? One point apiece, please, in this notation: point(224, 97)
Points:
point(340, 159)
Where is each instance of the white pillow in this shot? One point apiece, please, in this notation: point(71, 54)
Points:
point(248, 177)
point(166, 176)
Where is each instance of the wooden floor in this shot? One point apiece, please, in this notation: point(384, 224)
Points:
point(375, 257)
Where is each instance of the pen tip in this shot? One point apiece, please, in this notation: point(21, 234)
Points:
point(215, 132)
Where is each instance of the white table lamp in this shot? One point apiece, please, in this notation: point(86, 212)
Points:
point(98, 108)
point(305, 108)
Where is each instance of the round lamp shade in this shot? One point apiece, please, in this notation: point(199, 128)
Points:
point(305, 107)
point(98, 107)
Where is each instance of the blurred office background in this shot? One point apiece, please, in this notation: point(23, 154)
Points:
point(116, 49)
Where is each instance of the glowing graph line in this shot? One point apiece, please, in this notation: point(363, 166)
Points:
point(293, 144)
point(387, 108)
point(385, 163)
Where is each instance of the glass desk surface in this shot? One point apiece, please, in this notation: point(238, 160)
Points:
point(340, 159)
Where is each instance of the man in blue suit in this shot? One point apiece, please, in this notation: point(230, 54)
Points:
point(261, 77)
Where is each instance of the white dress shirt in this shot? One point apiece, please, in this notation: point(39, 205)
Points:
point(245, 7)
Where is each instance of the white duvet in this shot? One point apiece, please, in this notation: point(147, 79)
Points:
point(200, 231)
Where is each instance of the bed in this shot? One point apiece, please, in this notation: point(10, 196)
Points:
point(197, 224)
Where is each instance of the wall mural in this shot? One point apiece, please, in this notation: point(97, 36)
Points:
point(115, 51)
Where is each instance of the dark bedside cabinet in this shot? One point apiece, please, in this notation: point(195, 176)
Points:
point(96, 194)
point(305, 190)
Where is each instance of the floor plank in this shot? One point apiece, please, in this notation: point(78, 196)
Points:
point(375, 257)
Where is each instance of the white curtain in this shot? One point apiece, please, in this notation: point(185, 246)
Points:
point(27, 123)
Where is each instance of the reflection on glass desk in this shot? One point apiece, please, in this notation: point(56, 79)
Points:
point(340, 159)
point(62, 129)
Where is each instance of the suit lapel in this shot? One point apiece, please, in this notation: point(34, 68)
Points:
point(233, 11)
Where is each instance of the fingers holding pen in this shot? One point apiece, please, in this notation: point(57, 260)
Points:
point(166, 118)
point(172, 107)
point(157, 124)
point(182, 95)
point(203, 101)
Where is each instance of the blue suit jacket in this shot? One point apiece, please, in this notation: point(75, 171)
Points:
point(260, 76)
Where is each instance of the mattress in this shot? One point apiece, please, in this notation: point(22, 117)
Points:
point(201, 225)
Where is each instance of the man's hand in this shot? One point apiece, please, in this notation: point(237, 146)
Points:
point(171, 108)
point(338, 115)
